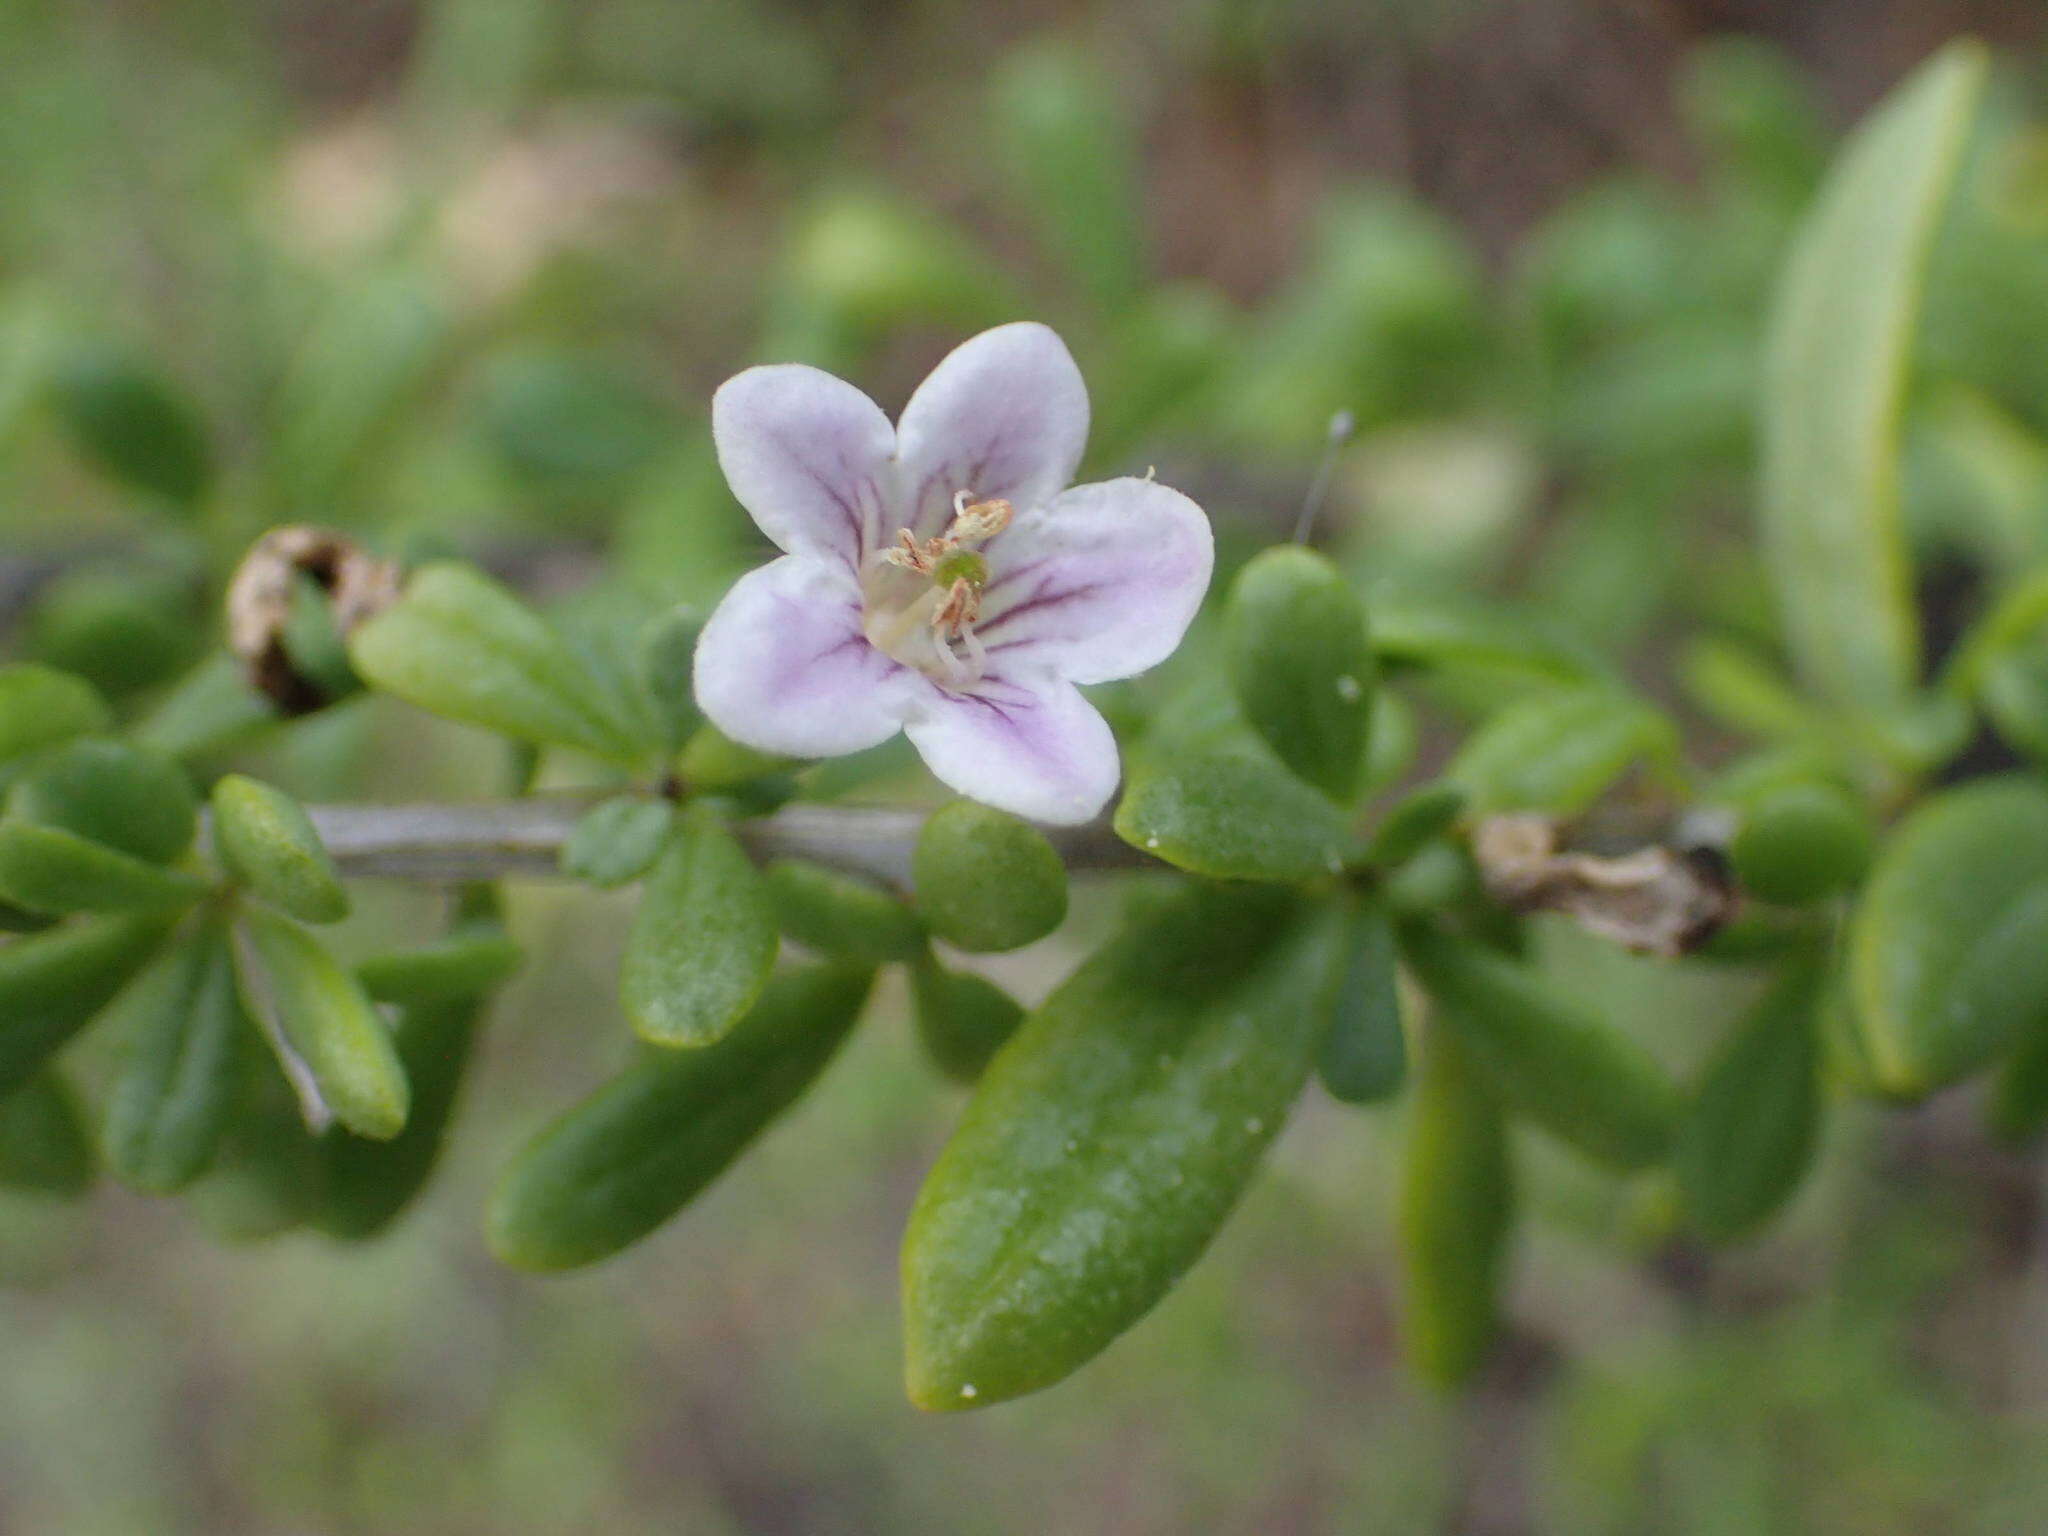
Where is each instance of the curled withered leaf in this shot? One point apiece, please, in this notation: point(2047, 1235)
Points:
point(1655, 899)
point(357, 586)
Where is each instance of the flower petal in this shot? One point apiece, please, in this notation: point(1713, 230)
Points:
point(784, 667)
point(1005, 414)
point(1037, 749)
point(809, 457)
point(1099, 585)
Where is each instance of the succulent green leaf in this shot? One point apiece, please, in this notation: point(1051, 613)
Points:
point(703, 940)
point(617, 841)
point(467, 963)
point(132, 423)
point(182, 1034)
point(623, 1161)
point(985, 880)
point(268, 1176)
point(323, 1017)
point(1108, 1141)
point(368, 1184)
point(129, 799)
point(1749, 1132)
point(2014, 693)
point(460, 645)
point(1556, 752)
point(52, 983)
point(1296, 649)
point(1948, 953)
point(962, 1019)
point(267, 843)
point(40, 708)
point(1550, 1058)
point(49, 870)
point(1364, 1055)
point(1801, 842)
point(2016, 1110)
point(1457, 1203)
point(1839, 335)
point(1417, 819)
point(841, 917)
point(44, 1143)
point(1232, 816)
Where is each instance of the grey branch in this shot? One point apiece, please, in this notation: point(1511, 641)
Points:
point(488, 840)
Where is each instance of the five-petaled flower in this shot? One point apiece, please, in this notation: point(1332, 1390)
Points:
point(939, 577)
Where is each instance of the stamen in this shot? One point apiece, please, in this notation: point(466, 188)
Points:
point(974, 522)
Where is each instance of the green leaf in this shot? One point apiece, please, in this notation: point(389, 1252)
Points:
point(1417, 819)
point(129, 799)
point(1839, 335)
point(1801, 842)
point(268, 1175)
point(468, 963)
point(368, 1184)
point(42, 708)
point(1295, 646)
point(131, 423)
point(2014, 693)
point(1558, 751)
point(182, 1033)
point(623, 1161)
point(985, 880)
point(122, 627)
point(1063, 127)
point(1364, 1054)
point(616, 842)
point(267, 843)
point(49, 870)
point(668, 655)
point(323, 1018)
point(703, 939)
point(1108, 1141)
point(1231, 816)
point(2016, 1111)
point(53, 982)
point(44, 1143)
point(962, 1019)
point(211, 708)
point(1948, 953)
point(1749, 1132)
point(1441, 633)
point(1457, 1202)
point(840, 917)
point(460, 645)
point(1550, 1058)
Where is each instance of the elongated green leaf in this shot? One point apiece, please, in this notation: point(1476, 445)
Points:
point(985, 880)
point(268, 1176)
point(40, 708)
point(52, 983)
point(130, 799)
point(467, 963)
point(1231, 816)
point(1414, 821)
point(183, 1033)
point(368, 1184)
point(1558, 751)
point(2017, 1110)
point(1839, 334)
point(1108, 1141)
point(840, 917)
point(1548, 1057)
point(962, 1019)
point(1296, 649)
point(50, 870)
point(132, 423)
point(617, 841)
point(1457, 1199)
point(1948, 954)
point(626, 1159)
point(1364, 1054)
point(267, 843)
point(44, 1143)
point(326, 1021)
point(1748, 1134)
point(460, 645)
point(703, 939)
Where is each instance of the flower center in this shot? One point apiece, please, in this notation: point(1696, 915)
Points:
point(921, 600)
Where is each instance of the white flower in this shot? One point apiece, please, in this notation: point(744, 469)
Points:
point(940, 578)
